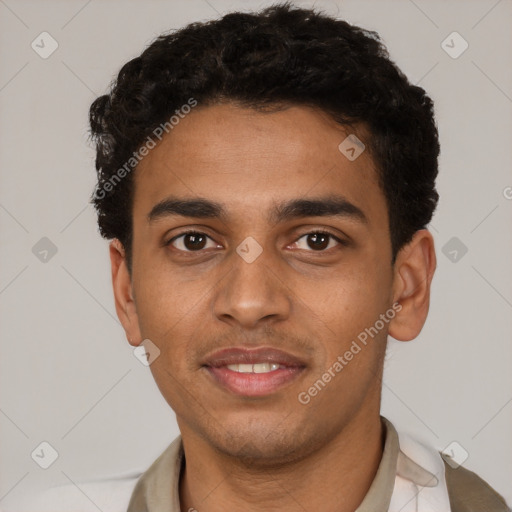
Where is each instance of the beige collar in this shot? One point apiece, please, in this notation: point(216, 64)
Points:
point(158, 488)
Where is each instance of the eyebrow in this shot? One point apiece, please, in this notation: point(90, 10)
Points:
point(201, 208)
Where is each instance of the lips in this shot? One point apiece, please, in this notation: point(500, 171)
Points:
point(238, 355)
point(253, 372)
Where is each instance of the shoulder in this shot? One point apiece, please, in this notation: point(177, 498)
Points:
point(108, 495)
point(470, 493)
point(458, 488)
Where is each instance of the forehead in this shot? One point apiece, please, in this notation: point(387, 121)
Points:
point(249, 160)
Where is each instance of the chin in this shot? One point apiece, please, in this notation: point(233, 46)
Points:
point(260, 444)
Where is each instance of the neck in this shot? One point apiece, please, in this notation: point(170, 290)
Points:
point(335, 478)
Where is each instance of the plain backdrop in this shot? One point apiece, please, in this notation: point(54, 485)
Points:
point(68, 375)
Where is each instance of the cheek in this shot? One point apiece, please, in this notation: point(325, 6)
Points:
point(168, 312)
point(351, 302)
point(353, 351)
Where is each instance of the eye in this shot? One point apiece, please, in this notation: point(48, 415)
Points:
point(320, 240)
point(193, 241)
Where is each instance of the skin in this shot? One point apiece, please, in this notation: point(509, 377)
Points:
point(271, 452)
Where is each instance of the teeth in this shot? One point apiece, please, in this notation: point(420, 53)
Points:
point(254, 368)
point(262, 367)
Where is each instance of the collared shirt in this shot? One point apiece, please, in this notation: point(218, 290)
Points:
point(411, 477)
point(398, 482)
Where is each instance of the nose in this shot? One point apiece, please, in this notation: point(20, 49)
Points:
point(252, 292)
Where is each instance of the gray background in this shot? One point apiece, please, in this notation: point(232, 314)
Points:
point(69, 377)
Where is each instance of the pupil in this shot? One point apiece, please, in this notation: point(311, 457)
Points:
point(193, 238)
point(194, 242)
point(322, 245)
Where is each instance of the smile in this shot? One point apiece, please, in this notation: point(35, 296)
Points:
point(251, 380)
point(253, 372)
point(254, 368)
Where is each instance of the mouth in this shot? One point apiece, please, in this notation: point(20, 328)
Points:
point(253, 372)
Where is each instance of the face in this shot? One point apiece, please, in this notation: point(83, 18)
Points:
point(300, 283)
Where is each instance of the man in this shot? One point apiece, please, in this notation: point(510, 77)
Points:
point(267, 180)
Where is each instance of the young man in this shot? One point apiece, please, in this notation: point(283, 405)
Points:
point(267, 180)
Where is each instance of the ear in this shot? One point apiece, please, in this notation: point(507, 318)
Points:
point(413, 272)
point(123, 295)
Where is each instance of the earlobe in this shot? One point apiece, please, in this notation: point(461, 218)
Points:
point(123, 294)
point(414, 269)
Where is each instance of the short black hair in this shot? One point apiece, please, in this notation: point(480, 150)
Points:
point(280, 56)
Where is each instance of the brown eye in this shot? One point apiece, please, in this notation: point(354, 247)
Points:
point(320, 240)
point(190, 241)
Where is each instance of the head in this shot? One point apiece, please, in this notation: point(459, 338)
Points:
point(236, 129)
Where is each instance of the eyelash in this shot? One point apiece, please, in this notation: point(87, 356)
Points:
point(314, 232)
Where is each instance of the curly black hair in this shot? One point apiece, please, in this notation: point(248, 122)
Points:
point(280, 56)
